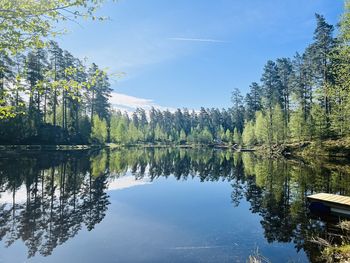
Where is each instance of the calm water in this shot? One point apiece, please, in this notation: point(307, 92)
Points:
point(160, 205)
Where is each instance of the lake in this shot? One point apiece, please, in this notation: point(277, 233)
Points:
point(161, 205)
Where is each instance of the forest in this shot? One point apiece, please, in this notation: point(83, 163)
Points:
point(48, 96)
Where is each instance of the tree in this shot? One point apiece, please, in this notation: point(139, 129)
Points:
point(56, 72)
point(319, 124)
point(278, 125)
point(99, 130)
point(26, 24)
point(284, 71)
point(118, 128)
point(237, 138)
point(271, 86)
point(100, 92)
point(297, 125)
point(248, 136)
point(237, 109)
point(205, 136)
point(253, 101)
point(302, 82)
point(272, 94)
point(261, 128)
point(6, 77)
point(339, 69)
point(228, 136)
point(320, 53)
point(36, 65)
point(182, 137)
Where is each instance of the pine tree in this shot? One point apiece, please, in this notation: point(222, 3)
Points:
point(284, 71)
point(237, 109)
point(340, 89)
point(302, 82)
point(320, 53)
point(272, 94)
point(253, 101)
point(56, 67)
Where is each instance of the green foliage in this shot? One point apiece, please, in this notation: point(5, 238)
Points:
point(99, 130)
point(26, 26)
point(307, 96)
point(182, 137)
point(297, 125)
point(319, 122)
point(205, 136)
point(228, 136)
point(237, 138)
point(119, 128)
point(62, 97)
point(298, 99)
point(27, 23)
point(261, 128)
point(248, 136)
point(278, 125)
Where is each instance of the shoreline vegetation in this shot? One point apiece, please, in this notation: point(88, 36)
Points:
point(308, 149)
point(329, 148)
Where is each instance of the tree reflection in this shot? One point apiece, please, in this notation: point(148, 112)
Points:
point(277, 190)
point(51, 197)
point(55, 200)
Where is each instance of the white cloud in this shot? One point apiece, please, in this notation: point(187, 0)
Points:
point(129, 104)
point(197, 39)
point(126, 182)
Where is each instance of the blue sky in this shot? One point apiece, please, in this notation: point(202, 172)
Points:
point(192, 53)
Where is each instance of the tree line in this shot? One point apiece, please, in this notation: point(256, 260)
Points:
point(304, 98)
point(206, 126)
point(53, 97)
point(47, 96)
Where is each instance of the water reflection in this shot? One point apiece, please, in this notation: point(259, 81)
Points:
point(46, 199)
point(53, 197)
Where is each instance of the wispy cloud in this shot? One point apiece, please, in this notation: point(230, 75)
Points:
point(129, 104)
point(197, 39)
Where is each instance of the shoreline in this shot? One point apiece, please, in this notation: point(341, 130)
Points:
point(39, 147)
point(77, 147)
point(325, 149)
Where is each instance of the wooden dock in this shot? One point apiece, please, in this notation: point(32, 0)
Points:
point(338, 204)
